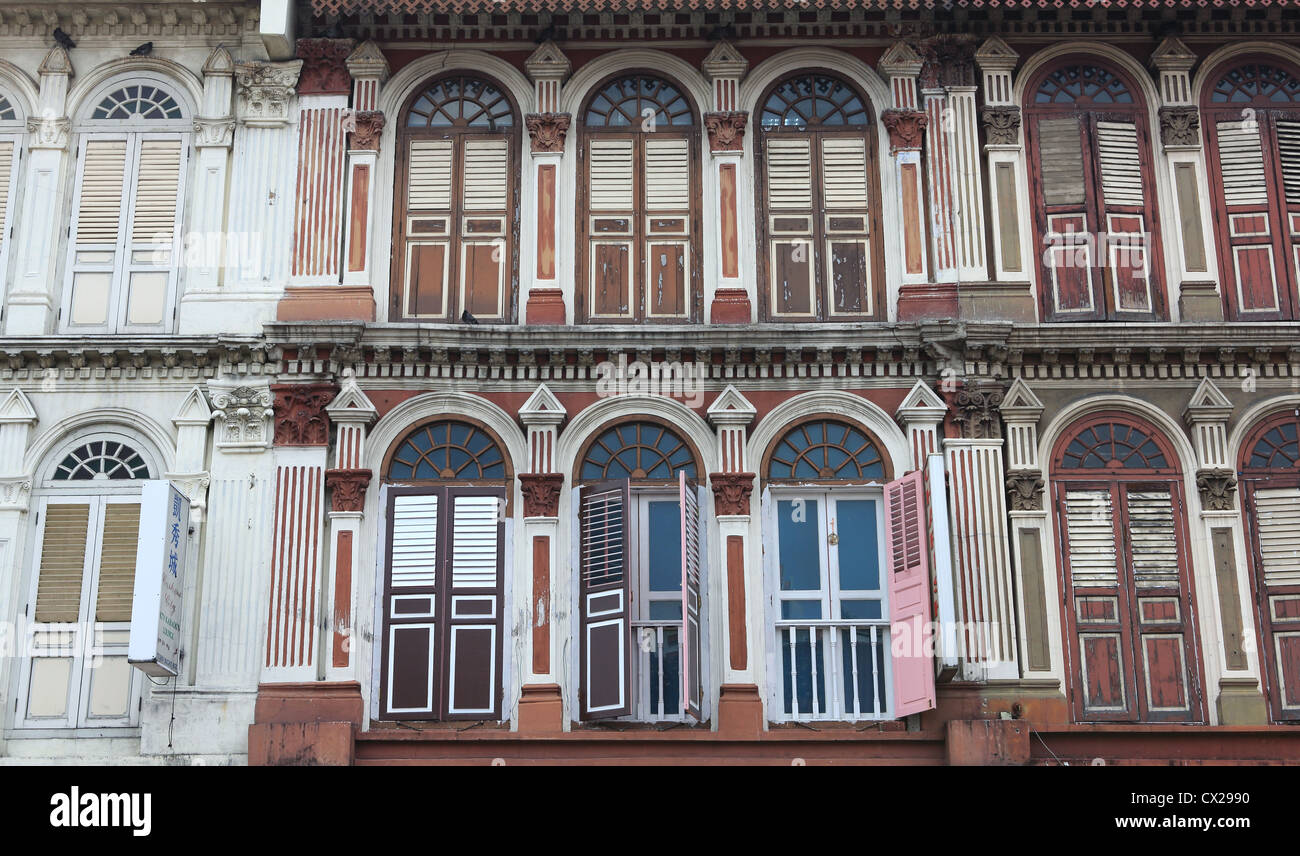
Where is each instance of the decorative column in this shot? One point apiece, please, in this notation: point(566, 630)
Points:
point(1180, 135)
point(214, 136)
point(30, 308)
point(921, 415)
point(369, 69)
point(541, 705)
point(17, 420)
point(346, 482)
point(985, 599)
point(906, 126)
point(740, 706)
point(315, 292)
point(724, 67)
point(547, 67)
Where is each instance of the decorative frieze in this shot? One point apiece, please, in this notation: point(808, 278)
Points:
point(977, 411)
point(347, 489)
point(300, 417)
point(1217, 488)
point(726, 130)
point(264, 92)
point(731, 493)
point(541, 493)
point(906, 128)
point(1180, 126)
point(325, 66)
point(242, 414)
point(366, 128)
point(1001, 125)
point(547, 131)
point(1025, 490)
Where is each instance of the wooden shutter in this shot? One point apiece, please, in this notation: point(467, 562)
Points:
point(844, 172)
point(1250, 254)
point(667, 210)
point(1241, 164)
point(102, 194)
point(474, 621)
point(844, 192)
point(410, 686)
point(157, 192)
point(1153, 538)
point(117, 561)
point(428, 227)
point(604, 593)
point(613, 259)
point(63, 562)
point(1123, 218)
point(1060, 158)
point(1277, 512)
point(6, 179)
point(667, 174)
point(486, 174)
point(790, 224)
point(908, 568)
point(1120, 161)
point(1068, 258)
point(1090, 526)
point(1288, 149)
point(692, 656)
point(428, 175)
point(611, 175)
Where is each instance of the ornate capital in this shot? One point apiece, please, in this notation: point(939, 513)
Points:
point(541, 493)
point(1217, 488)
point(1180, 126)
point(216, 133)
point(48, 133)
point(547, 130)
point(242, 413)
point(347, 489)
point(977, 412)
point(195, 487)
point(15, 493)
point(325, 66)
point(949, 61)
point(1001, 125)
point(367, 125)
point(726, 130)
point(731, 492)
point(300, 417)
point(264, 90)
point(1025, 490)
point(905, 127)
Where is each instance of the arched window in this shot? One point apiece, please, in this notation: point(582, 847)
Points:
point(638, 450)
point(1252, 113)
point(456, 220)
point(1129, 605)
point(1094, 195)
point(639, 226)
point(456, 451)
point(826, 449)
point(126, 219)
point(87, 526)
point(820, 227)
point(1270, 483)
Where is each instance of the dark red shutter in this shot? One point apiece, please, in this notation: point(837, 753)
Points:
point(692, 684)
point(604, 593)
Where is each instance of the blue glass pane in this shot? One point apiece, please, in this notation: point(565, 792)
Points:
point(801, 610)
point(665, 610)
point(797, 668)
point(671, 658)
point(800, 546)
point(665, 551)
point(859, 553)
point(860, 610)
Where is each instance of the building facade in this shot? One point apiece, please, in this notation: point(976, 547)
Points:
point(577, 381)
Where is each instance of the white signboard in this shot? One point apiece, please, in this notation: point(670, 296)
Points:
point(159, 580)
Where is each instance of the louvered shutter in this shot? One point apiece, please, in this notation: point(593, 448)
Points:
point(611, 175)
point(63, 562)
point(486, 178)
point(95, 250)
point(604, 594)
point(668, 174)
point(844, 198)
point(155, 223)
point(484, 255)
point(667, 183)
point(790, 223)
point(1068, 259)
point(908, 569)
point(692, 657)
point(117, 555)
point(1288, 145)
point(8, 164)
point(1060, 158)
point(1241, 164)
point(1276, 525)
point(610, 199)
point(428, 227)
point(410, 688)
point(1119, 160)
point(428, 175)
point(1251, 255)
point(1277, 515)
point(1153, 538)
point(1090, 527)
point(474, 622)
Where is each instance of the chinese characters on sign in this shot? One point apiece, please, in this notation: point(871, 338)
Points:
point(159, 580)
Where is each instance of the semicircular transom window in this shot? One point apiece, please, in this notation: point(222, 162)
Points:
point(1256, 82)
point(826, 449)
point(461, 102)
point(7, 112)
point(137, 101)
point(638, 450)
point(101, 459)
point(1113, 446)
point(448, 450)
point(1074, 83)
point(628, 102)
point(1277, 449)
point(812, 100)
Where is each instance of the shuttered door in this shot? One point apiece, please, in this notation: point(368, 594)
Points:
point(1251, 249)
point(844, 195)
point(98, 224)
point(429, 224)
point(485, 254)
point(411, 612)
point(692, 659)
point(117, 562)
point(1068, 260)
point(668, 224)
point(604, 593)
point(1276, 532)
point(473, 681)
point(612, 227)
point(907, 568)
point(1288, 153)
point(790, 224)
point(8, 174)
point(155, 225)
point(1119, 158)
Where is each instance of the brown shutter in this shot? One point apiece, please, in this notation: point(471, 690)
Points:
point(474, 603)
point(692, 680)
point(1060, 156)
point(409, 686)
point(1288, 147)
point(613, 258)
point(604, 593)
point(790, 224)
point(117, 561)
point(844, 192)
point(1241, 164)
point(1120, 162)
point(63, 562)
point(1277, 511)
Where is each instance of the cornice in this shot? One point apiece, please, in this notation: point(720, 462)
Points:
point(167, 19)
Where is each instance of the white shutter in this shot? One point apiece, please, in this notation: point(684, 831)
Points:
point(667, 174)
point(117, 561)
point(1241, 164)
point(486, 165)
point(415, 541)
point(1121, 165)
point(99, 206)
point(844, 172)
point(6, 176)
point(1288, 146)
point(1090, 535)
point(1277, 511)
point(63, 562)
point(428, 175)
point(1060, 157)
point(610, 168)
point(157, 191)
point(1154, 538)
point(789, 173)
point(474, 541)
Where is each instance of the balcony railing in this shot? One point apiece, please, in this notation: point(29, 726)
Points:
point(657, 676)
point(834, 670)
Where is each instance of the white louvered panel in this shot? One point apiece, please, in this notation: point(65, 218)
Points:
point(156, 191)
point(1154, 538)
point(1121, 168)
point(610, 168)
point(415, 541)
point(474, 541)
point(99, 208)
point(428, 175)
point(1061, 155)
point(486, 174)
point(6, 172)
point(602, 537)
point(1278, 512)
point(1288, 146)
point(1090, 533)
point(789, 173)
point(844, 172)
point(1241, 164)
point(667, 175)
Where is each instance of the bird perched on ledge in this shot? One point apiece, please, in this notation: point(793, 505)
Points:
point(144, 49)
point(63, 38)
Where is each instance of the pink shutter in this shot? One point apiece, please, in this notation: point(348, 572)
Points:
point(909, 595)
point(692, 688)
